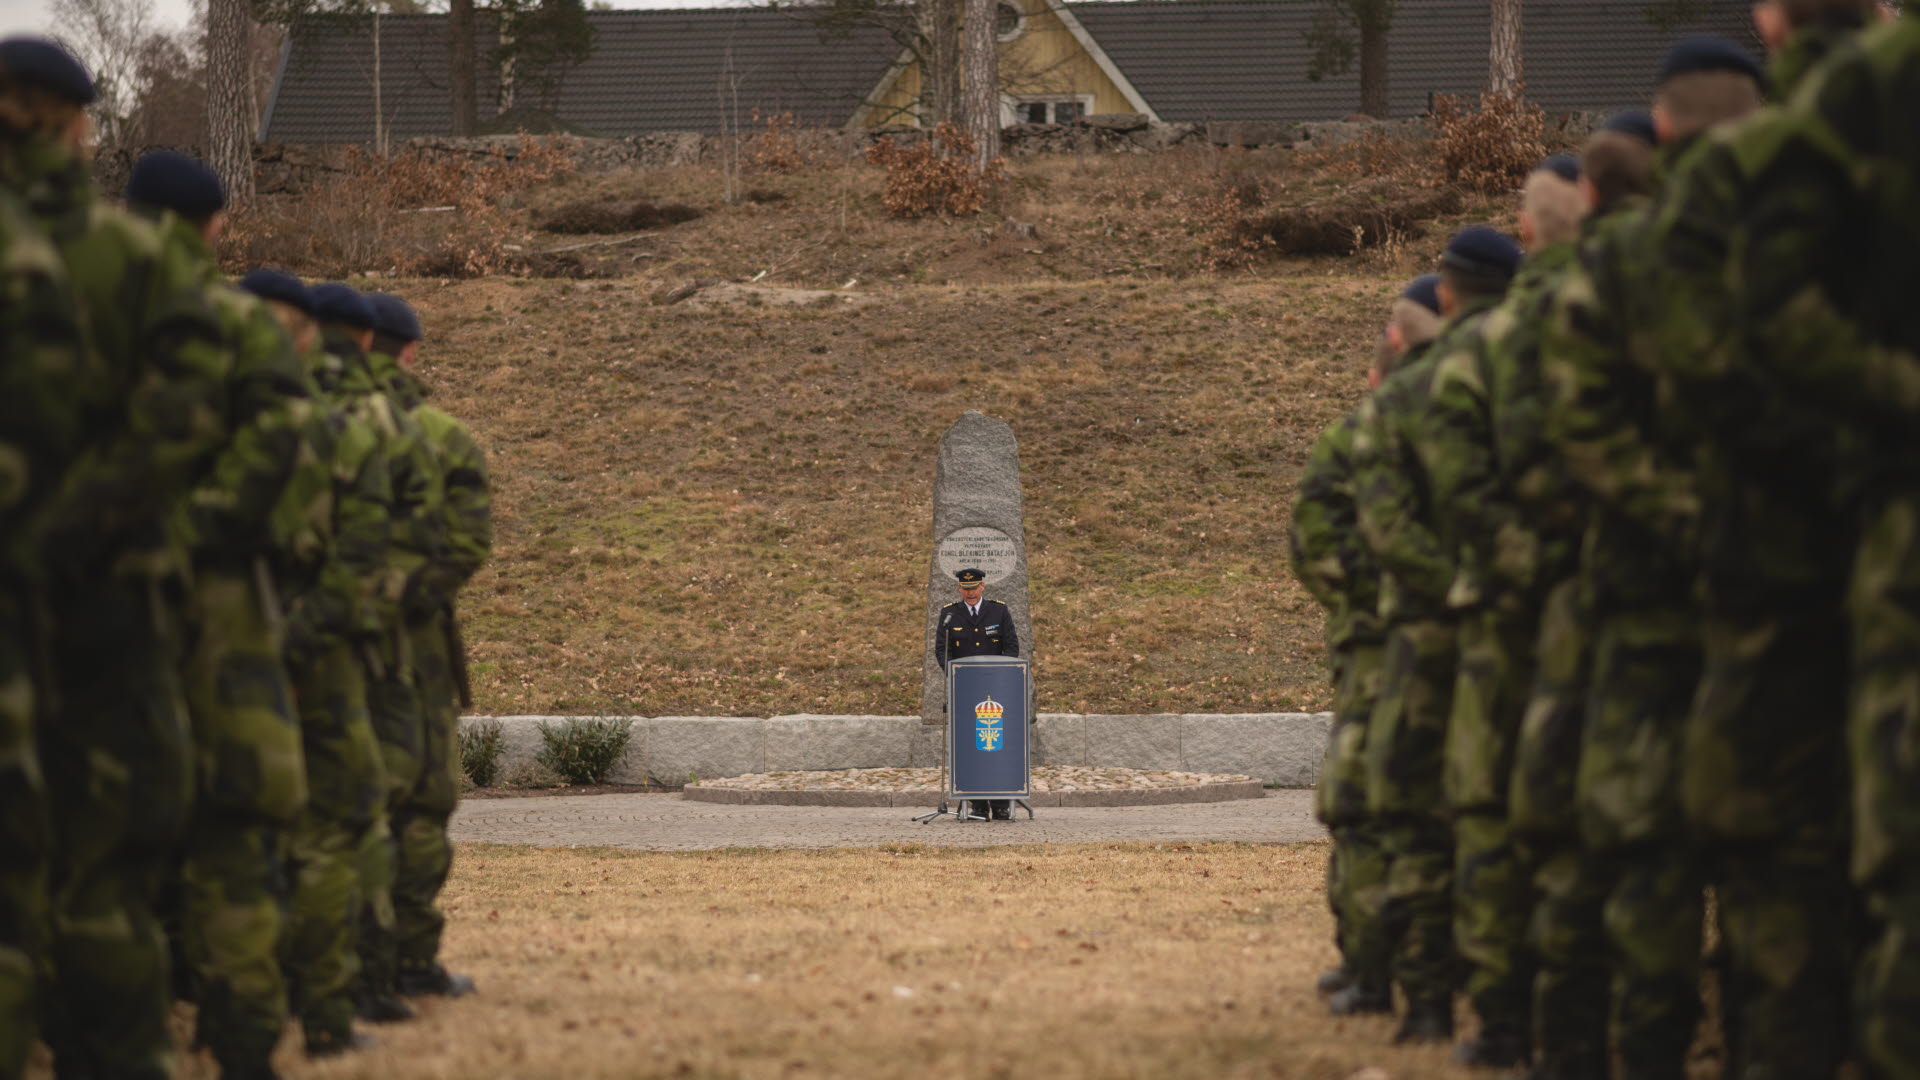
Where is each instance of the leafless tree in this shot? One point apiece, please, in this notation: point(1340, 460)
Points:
point(982, 81)
point(462, 68)
point(229, 95)
point(107, 36)
point(1505, 64)
point(940, 91)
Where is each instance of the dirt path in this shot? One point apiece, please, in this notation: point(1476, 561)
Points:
point(670, 823)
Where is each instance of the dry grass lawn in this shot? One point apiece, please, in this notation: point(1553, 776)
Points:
point(1169, 962)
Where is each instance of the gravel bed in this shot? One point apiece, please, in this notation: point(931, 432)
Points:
point(1045, 778)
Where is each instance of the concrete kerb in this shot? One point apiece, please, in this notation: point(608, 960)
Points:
point(1196, 793)
point(1283, 749)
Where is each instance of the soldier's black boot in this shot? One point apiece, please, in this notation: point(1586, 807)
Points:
point(1428, 1020)
point(1492, 1049)
point(434, 981)
point(385, 1009)
point(1362, 999)
point(330, 1044)
point(1334, 980)
point(1002, 810)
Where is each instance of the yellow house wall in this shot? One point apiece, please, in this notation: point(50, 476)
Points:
point(1044, 59)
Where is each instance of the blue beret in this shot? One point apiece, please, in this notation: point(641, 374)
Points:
point(337, 303)
point(1564, 166)
point(1635, 122)
point(392, 316)
point(170, 180)
point(1425, 291)
point(278, 285)
point(1693, 55)
point(41, 63)
point(1481, 249)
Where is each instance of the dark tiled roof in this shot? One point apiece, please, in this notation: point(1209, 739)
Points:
point(649, 71)
point(1199, 60)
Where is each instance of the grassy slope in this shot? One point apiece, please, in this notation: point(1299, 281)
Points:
point(725, 510)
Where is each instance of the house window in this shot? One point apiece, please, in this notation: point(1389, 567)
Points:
point(1008, 21)
point(1067, 112)
point(1051, 108)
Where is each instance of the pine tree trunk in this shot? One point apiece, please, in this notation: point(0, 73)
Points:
point(940, 28)
point(229, 140)
point(1504, 61)
point(982, 83)
point(1373, 68)
point(461, 69)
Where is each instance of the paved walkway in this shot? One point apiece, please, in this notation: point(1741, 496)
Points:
point(670, 823)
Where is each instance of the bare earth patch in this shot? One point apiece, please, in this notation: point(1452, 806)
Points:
point(1175, 962)
point(1045, 778)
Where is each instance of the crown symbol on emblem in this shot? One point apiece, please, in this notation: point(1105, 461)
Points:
point(989, 710)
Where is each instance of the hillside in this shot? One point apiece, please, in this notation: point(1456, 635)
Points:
point(721, 505)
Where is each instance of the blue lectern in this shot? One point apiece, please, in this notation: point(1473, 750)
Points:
point(989, 708)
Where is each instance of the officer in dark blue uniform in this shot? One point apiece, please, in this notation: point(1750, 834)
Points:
point(976, 626)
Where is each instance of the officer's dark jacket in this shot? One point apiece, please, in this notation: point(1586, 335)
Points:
point(990, 633)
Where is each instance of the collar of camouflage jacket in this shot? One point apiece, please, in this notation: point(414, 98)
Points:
point(1802, 53)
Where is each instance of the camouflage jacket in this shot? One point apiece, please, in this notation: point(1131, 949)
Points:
point(1393, 494)
point(43, 341)
point(463, 493)
point(146, 400)
point(1501, 503)
point(1330, 559)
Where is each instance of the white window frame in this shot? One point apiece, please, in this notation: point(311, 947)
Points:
point(1010, 103)
point(1019, 21)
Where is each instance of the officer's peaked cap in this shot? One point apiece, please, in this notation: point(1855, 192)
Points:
point(37, 62)
point(170, 180)
point(392, 317)
point(1635, 122)
point(337, 303)
point(1425, 291)
point(971, 576)
point(1482, 249)
point(278, 285)
point(1564, 166)
point(1703, 53)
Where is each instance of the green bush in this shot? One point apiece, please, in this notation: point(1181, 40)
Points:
point(583, 750)
point(481, 746)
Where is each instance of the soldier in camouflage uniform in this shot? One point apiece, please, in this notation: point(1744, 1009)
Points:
point(1497, 597)
point(115, 751)
point(417, 536)
point(1407, 732)
point(1806, 215)
point(1332, 563)
point(251, 781)
point(1536, 554)
point(42, 334)
point(1638, 570)
point(459, 491)
point(333, 603)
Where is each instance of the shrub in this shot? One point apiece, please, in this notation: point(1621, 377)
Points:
point(406, 213)
point(1492, 148)
point(776, 148)
point(584, 750)
point(934, 175)
point(481, 746)
point(591, 216)
point(532, 775)
point(1367, 215)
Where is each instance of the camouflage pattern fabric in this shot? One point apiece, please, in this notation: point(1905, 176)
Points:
point(1572, 988)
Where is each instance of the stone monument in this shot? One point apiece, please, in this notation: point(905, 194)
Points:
point(976, 522)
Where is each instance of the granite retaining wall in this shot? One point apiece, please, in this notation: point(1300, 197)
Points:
point(1277, 748)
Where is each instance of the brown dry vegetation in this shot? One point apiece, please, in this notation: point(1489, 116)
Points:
point(1171, 962)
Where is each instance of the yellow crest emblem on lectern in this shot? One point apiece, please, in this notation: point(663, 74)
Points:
point(986, 724)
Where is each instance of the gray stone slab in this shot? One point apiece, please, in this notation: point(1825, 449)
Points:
point(813, 742)
point(976, 489)
point(1147, 741)
point(521, 735)
point(706, 747)
point(927, 746)
point(1060, 739)
point(1278, 748)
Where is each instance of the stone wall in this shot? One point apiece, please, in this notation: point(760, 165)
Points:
point(1276, 748)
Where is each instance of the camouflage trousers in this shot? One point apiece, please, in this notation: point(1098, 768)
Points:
point(1884, 748)
point(1492, 882)
point(1357, 870)
point(1646, 667)
point(1571, 983)
point(346, 788)
point(1764, 788)
point(1405, 739)
point(252, 785)
point(116, 752)
point(393, 700)
point(23, 833)
point(420, 827)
